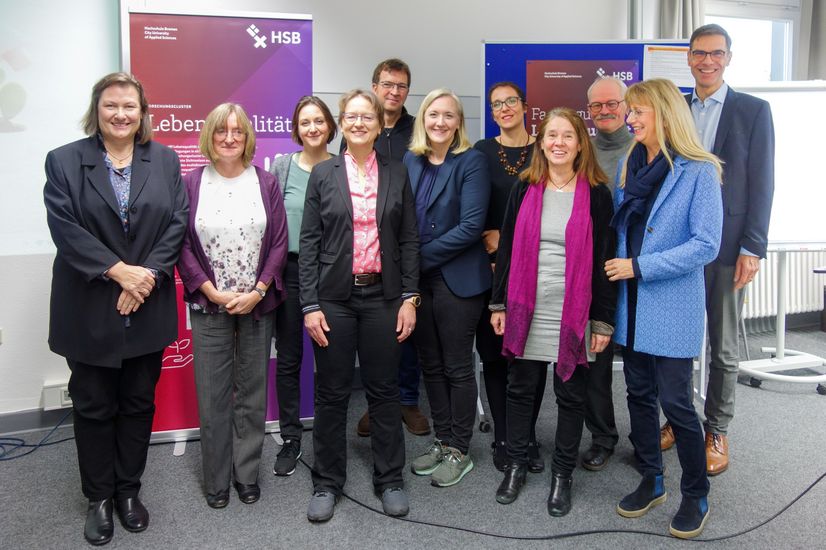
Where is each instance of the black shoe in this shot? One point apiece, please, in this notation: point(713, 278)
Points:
point(248, 493)
point(596, 458)
point(535, 463)
point(499, 450)
point(132, 513)
point(690, 518)
point(219, 499)
point(649, 493)
point(559, 501)
point(99, 525)
point(508, 490)
point(287, 458)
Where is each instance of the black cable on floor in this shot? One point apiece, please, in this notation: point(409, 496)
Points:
point(9, 445)
point(574, 534)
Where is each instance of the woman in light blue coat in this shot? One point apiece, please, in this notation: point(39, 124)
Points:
point(669, 221)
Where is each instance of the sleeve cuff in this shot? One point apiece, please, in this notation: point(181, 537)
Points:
point(636, 267)
point(601, 328)
point(746, 252)
point(310, 308)
point(496, 307)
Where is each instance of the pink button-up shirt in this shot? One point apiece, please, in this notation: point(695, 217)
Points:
point(364, 188)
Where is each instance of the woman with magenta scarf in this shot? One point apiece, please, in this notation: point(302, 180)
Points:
point(552, 300)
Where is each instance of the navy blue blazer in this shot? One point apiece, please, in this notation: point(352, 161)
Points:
point(745, 144)
point(456, 214)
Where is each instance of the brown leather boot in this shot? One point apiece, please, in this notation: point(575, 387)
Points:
point(415, 421)
point(363, 427)
point(716, 453)
point(666, 437)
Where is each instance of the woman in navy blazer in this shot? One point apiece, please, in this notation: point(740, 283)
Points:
point(452, 190)
point(117, 212)
point(668, 219)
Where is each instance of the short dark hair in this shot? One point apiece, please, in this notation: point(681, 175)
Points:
point(91, 126)
point(325, 111)
point(506, 84)
point(707, 30)
point(392, 64)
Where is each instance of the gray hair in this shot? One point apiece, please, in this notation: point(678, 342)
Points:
point(622, 86)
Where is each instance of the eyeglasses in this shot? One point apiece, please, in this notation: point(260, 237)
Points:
point(366, 118)
point(612, 105)
point(638, 112)
point(387, 85)
point(237, 133)
point(511, 101)
point(700, 55)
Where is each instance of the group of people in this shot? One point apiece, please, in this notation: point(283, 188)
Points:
point(402, 251)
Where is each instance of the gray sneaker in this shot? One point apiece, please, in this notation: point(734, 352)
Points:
point(426, 463)
point(321, 507)
point(394, 502)
point(452, 469)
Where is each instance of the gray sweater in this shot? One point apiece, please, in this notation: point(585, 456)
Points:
point(610, 148)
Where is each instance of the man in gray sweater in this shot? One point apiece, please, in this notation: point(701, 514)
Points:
point(607, 107)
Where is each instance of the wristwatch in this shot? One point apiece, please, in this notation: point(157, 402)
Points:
point(261, 292)
point(415, 301)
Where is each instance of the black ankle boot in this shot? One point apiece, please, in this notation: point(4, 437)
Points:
point(508, 490)
point(559, 501)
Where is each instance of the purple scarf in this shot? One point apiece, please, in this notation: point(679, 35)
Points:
point(579, 261)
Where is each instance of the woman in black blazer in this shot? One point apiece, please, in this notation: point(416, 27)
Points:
point(117, 213)
point(358, 276)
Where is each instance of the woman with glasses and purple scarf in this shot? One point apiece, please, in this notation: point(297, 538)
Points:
point(551, 299)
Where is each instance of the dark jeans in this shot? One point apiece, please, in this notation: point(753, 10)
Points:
point(289, 343)
point(113, 412)
point(363, 324)
point(599, 402)
point(409, 374)
point(445, 327)
point(649, 377)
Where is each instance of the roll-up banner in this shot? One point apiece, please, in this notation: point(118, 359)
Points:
point(188, 64)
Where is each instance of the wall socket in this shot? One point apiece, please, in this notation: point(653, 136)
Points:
point(56, 396)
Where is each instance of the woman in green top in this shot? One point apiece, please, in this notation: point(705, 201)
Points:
point(313, 127)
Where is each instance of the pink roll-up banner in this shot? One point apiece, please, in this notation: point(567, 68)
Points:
point(189, 63)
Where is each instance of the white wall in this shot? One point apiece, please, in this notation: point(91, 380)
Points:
point(71, 44)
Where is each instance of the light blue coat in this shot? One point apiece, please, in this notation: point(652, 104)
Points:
point(682, 235)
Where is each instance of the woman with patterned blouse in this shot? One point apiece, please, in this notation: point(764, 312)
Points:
point(231, 266)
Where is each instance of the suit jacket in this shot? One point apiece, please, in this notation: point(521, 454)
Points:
point(194, 267)
point(745, 143)
point(603, 292)
point(456, 213)
point(82, 213)
point(682, 236)
point(325, 259)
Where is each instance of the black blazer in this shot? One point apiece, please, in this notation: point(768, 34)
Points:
point(82, 213)
point(603, 291)
point(325, 260)
point(745, 143)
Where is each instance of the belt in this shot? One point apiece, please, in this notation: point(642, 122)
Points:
point(366, 279)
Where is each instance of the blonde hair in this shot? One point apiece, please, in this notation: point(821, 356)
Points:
point(420, 143)
point(673, 122)
point(585, 162)
point(216, 119)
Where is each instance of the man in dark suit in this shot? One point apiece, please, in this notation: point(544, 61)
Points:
point(391, 84)
point(737, 128)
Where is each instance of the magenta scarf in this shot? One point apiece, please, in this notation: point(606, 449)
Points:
point(579, 260)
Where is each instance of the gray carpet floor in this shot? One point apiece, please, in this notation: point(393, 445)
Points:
point(778, 448)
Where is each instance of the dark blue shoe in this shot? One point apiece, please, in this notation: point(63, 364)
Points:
point(648, 494)
point(690, 518)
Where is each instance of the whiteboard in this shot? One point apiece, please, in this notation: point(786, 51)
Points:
point(798, 218)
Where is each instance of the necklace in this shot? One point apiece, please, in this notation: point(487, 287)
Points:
point(559, 188)
point(120, 159)
point(503, 159)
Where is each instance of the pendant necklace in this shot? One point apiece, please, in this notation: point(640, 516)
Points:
point(559, 188)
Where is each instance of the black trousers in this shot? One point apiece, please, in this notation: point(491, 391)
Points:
point(445, 328)
point(599, 403)
point(363, 324)
point(523, 377)
point(113, 413)
point(289, 343)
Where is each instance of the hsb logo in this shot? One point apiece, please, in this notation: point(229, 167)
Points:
point(276, 37)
